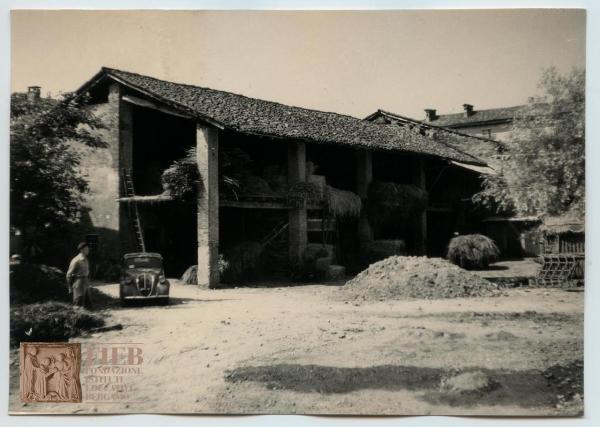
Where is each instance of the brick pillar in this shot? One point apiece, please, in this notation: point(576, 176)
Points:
point(122, 159)
point(298, 237)
point(420, 225)
point(207, 149)
point(364, 176)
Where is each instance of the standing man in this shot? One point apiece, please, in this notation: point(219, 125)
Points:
point(78, 277)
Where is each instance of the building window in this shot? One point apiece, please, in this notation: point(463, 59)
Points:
point(486, 133)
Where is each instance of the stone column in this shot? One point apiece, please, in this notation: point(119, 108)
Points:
point(298, 237)
point(364, 176)
point(207, 149)
point(420, 224)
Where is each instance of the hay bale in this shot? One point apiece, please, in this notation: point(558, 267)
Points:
point(190, 276)
point(301, 193)
point(315, 251)
point(319, 181)
point(336, 272)
point(472, 251)
point(322, 266)
point(407, 277)
point(252, 185)
point(342, 204)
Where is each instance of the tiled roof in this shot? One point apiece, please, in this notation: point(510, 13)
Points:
point(504, 114)
point(437, 130)
point(254, 116)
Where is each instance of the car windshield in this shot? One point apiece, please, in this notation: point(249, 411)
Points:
point(143, 262)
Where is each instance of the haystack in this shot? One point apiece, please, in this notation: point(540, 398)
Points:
point(342, 204)
point(472, 251)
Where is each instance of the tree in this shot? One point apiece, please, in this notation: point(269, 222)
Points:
point(543, 162)
point(46, 187)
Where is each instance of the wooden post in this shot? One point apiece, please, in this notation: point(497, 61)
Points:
point(420, 226)
point(364, 176)
point(207, 149)
point(298, 237)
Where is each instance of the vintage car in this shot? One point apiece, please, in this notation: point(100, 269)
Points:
point(143, 277)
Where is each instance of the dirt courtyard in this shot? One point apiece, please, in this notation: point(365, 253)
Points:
point(303, 350)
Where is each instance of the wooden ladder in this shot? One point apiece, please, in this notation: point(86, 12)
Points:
point(137, 225)
point(274, 233)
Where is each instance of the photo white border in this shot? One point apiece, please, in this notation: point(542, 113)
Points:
point(592, 292)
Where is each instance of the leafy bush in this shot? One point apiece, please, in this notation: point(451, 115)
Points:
point(182, 179)
point(472, 251)
point(31, 283)
point(50, 321)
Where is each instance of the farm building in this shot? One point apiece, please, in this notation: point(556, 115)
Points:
point(276, 178)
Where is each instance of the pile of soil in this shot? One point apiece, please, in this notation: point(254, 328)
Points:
point(405, 277)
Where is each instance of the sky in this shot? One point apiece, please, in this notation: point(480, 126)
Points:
point(347, 62)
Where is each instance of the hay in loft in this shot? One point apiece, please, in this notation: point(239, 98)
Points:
point(253, 185)
point(342, 204)
point(389, 201)
point(301, 193)
point(182, 180)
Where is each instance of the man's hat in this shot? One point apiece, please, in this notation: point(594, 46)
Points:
point(81, 246)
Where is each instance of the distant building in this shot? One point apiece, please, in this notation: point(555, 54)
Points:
point(493, 123)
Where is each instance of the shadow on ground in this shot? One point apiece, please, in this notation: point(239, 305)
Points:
point(529, 388)
point(104, 301)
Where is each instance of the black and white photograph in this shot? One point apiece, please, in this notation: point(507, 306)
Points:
point(309, 212)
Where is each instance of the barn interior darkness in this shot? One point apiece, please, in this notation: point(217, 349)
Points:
point(257, 167)
point(169, 227)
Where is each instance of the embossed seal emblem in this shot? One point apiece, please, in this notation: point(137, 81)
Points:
point(50, 372)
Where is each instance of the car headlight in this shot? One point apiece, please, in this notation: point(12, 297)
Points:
point(162, 278)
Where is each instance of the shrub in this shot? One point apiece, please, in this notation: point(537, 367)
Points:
point(472, 251)
point(31, 283)
point(50, 321)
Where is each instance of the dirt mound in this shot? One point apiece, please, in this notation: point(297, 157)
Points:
point(404, 277)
